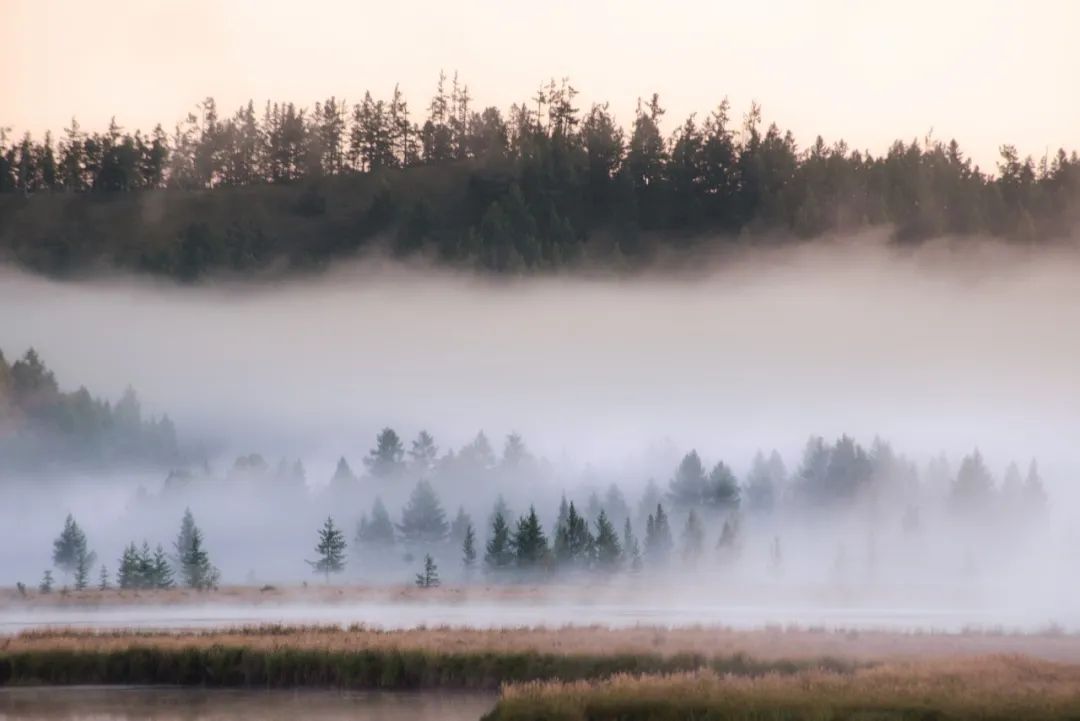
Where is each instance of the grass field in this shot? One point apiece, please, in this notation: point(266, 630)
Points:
point(999, 688)
point(365, 658)
point(597, 673)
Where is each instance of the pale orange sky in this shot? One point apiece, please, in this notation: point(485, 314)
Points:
point(984, 72)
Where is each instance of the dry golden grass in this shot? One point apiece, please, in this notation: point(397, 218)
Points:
point(996, 687)
point(768, 644)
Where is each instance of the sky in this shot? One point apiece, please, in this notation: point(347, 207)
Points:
point(984, 72)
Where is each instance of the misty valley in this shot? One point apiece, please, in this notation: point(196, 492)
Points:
point(350, 396)
point(850, 535)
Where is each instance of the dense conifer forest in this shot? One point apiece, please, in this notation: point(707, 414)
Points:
point(43, 427)
point(546, 185)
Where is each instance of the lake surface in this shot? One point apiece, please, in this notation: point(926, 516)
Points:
point(406, 615)
point(182, 704)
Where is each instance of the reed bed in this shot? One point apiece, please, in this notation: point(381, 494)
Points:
point(996, 688)
point(766, 644)
point(321, 656)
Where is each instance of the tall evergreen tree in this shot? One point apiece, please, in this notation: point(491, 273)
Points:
point(429, 577)
point(385, 459)
point(722, 489)
point(529, 542)
point(330, 550)
point(608, 552)
point(423, 520)
point(468, 548)
point(193, 562)
point(630, 546)
point(688, 486)
point(423, 454)
point(499, 553)
point(658, 541)
point(693, 538)
point(70, 553)
point(378, 531)
point(573, 540)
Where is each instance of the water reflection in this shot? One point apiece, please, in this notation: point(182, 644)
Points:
point(183, 704)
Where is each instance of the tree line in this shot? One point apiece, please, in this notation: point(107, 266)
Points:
point(138, 568)
point(700, 514)
point(41, 424)
point(544, 185)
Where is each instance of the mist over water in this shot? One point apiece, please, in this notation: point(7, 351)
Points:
point(608, 380)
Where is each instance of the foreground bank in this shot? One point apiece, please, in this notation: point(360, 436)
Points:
point(358, 658)
point(988, 689)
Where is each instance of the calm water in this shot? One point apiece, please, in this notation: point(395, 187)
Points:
point(487, 615)
point(174, 704)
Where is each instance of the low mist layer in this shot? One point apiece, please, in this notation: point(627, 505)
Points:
point(606, 381)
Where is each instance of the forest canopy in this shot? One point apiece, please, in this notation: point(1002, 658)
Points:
point(546, 185)
point(44, 427)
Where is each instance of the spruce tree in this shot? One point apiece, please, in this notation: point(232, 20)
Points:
point(70, 553)
point(529, 542)
point(127, 574)
point(458, 526)
point(145, 567)
point(193, 562)
point(429, 577)
point(103, 578)
point(658, 542)
point(183, 539)
point(722, 489)
point(385, 459)
point(631, 549)
point(330, 549)
point(607, 553)
point(160, 569)
point(499, 552)
point(46, 585)
point(468, 548)
point(84, 561)
point(573, 541)
point(693, 537)
point(688, 486)
point(423, 521)
point(378, 531)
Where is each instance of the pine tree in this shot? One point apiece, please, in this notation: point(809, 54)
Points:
point(145, 567)
point(103, 579)
point(83, 563)
point(458, 526)
point(630, 546)
point(183, 539)
point(529, 542)
point(70, 553)
point(429, 577)
point(331, 550)
point(499, 551)
point(160, 569)
point(424, 452)
point(573, 541)
point(195, 569)
point(658, 542)
point(127, 574)
point(688, 486)
point(468, 548)
point(693, 537)
point(728, 542)
point(608, 553)
point(722, 489)
point(385, 459)
point(423, 520)
point(378, 531)
point(46, 585)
